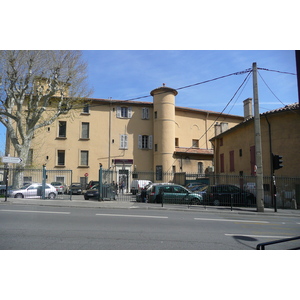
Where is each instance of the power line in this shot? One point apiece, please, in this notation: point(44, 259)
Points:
point(264, 69)
point(273, 92)
point(221, 113)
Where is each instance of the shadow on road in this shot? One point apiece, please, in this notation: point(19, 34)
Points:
point(240, 238)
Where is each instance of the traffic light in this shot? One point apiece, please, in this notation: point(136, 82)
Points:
point(277, 162)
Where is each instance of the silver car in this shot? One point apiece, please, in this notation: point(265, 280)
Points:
point(34, 190)
point(61, 187)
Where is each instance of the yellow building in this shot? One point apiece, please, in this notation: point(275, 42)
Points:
point(234, 150)
point(130, 137)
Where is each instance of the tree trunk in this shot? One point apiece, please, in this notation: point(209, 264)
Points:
point(19, 171)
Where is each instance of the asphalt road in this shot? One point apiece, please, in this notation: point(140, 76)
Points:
point(28, 227)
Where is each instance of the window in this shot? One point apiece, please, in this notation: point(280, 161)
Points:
point(195, 144)
point(155, 148)
point(241, 152)
point(123, 141)
point(62, 129)
point(60, 179)
point(222, 163)
point(176, 142)
point(145, 142)
point(84, 158)
point(200, 167)
point(158, 172)
point(60, 157)
point(155, 115)
point(86, 109)
point(231, 161)
point(85, 130)
point(145, 113)
point(124, 112)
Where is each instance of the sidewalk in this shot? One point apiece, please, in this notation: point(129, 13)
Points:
point(78, 202)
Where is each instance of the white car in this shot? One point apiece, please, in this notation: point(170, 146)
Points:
point(34, 190)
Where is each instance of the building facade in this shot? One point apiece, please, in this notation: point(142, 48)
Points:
point(234, 149)
point(128, 137)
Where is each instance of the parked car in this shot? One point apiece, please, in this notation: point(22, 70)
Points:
point(75, 188)
point(197, 188)
point(34, 190)
point(3, 189)
point(92, 193)
point(91, 184)
point(61, 188)
point(225, 194)
point(172, 193)
point(138, 185)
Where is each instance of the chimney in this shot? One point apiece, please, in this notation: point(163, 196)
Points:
point(217, 129)
point(248, 109)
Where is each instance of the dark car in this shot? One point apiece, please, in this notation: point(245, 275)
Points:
point(91, 184)
point(75, 188)
point(172, 193)
point(92, 193)
point(226, 194)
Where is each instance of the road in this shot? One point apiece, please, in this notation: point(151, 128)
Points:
point(29, 227)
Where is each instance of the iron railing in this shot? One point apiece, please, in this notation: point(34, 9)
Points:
point(261, 246)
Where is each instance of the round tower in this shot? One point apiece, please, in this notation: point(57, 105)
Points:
point(164, 129)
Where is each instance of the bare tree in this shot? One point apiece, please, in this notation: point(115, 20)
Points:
point(36, 87)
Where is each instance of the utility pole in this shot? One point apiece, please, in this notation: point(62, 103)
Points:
point(297, 54)
point(258, 148)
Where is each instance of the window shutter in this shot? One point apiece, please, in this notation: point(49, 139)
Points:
point(150, 142)
point(140, 141)
point(231, 160)
point(129, 112)
point(222, 163)
point(145, 113)
point(118, 112)
point(125, 141)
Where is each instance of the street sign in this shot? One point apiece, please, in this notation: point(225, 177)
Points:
point(12, 160)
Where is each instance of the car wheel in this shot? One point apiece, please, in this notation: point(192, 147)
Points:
point(86, 198)
point(51, 196)
point(216, 202)
point(195, 201)
point(19, 196)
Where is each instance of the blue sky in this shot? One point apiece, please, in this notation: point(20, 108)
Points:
point(127, 74)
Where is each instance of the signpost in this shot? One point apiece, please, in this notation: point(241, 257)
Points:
point(12, 160)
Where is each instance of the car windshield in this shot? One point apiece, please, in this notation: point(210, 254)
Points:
point(26, 185)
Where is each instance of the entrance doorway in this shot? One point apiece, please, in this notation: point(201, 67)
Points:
point(123, 181)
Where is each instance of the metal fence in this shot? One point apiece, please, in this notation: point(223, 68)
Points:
point(116, 185)
point(18, 178)
point(287, 188)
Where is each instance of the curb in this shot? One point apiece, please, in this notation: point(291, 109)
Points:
point(145, 206)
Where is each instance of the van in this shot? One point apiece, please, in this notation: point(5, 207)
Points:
point(138, 185)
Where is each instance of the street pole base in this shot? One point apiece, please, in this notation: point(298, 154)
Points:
point(260, 209)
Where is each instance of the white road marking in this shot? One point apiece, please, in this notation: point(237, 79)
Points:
point(133, 216)
point(36, 211)
point(258, 236)
point(228, 220)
